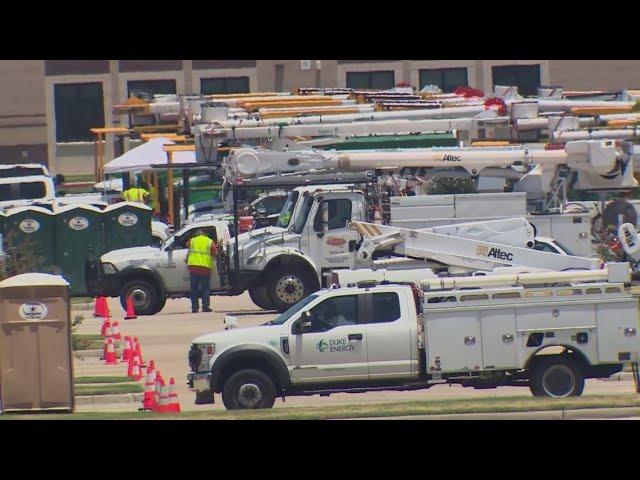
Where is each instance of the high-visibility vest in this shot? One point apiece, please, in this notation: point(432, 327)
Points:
point(200, 252)
point(154, 197)
point(135, 194)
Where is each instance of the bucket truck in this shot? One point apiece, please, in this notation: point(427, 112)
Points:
point(398, 337)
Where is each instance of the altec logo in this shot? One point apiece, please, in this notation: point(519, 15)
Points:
point(451, 158)
point(498, 254)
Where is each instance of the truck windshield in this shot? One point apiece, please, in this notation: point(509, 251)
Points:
point(293, 310)
point(301, 219)
point(287, 210)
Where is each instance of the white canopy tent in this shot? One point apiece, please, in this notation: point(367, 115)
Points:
point(150, 153)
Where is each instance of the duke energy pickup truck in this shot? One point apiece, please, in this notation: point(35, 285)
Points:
point(548, 331)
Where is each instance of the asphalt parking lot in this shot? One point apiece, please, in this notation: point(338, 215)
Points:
point(166, 338)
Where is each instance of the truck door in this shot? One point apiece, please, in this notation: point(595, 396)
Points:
point(327, 239)
point(173, 262)
point(391, 344)
point(333, 344)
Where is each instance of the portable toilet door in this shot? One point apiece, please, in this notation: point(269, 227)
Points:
point(79, 238)
point(36, 365)
point(30, 235)
point(126, 224)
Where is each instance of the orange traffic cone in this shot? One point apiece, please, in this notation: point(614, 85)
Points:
point(137, 350)
point(174, 403)
point(149, 387)
point(127, 351)
point(163, 407)
point(132, 361)
point(136, 372)
point(100, 307)
point(157, 391)
point(110, 353)
point(108, 337)
point(105, 325)
point(115, 328)
point(131, 313)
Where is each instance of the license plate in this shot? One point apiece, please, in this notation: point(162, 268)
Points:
point(201, 383)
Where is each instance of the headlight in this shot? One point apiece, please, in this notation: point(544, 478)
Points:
point(109, 269)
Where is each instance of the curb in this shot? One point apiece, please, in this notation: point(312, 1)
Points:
point(109, 399)
point(578, 414)
point(93, 353)
point(619, 377)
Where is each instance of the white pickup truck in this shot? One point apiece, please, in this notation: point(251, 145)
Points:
point(549, 337)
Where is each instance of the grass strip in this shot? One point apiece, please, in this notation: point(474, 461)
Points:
point(83, 336)
point(102, 379)
point(424, 407)
point(108, 389)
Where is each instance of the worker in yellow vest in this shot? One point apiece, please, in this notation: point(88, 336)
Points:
point(155, 204)
point(201, 261)
point(136, 194)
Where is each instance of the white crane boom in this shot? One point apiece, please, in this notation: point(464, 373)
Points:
point(599, 162)
point(381, 127)
point(471, 246)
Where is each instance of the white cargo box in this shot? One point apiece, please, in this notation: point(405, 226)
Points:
point(571, 230)
point(490, 204)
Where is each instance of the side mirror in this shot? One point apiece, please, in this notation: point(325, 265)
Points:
point(302, 324)
point(58, 179)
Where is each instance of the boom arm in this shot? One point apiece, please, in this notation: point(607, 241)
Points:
point(598, 162)
point(472, 246)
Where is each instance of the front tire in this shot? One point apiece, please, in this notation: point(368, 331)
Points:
point(248, 389)
point(556, 377)
point(146, 298)
point(287, 286)
point(260, 296)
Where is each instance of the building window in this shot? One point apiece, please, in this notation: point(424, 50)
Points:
point(448, 79)
point(146, 89)
point(381, 80)
point(79, 107)
point(210, 86)
point(525, 77)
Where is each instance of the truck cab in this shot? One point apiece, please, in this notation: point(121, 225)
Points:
point(282, 268)
point(332, 339)
point(25, 184)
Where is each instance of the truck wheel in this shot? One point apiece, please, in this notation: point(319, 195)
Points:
point(248, 389)
point(260, 296)
point(287, 287)
point(557, 377)
point(146, 299)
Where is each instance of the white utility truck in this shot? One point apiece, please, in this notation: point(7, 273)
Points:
point(25, 184)
point(547, 331)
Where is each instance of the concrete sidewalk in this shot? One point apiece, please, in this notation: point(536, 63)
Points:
point(582, 414)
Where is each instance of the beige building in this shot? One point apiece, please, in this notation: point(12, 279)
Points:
point(48, 106)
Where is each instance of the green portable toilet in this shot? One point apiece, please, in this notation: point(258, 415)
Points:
point(126, 224)
point(32, 231)
point(79, 238)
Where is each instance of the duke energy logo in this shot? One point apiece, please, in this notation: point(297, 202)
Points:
point(322, 346)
